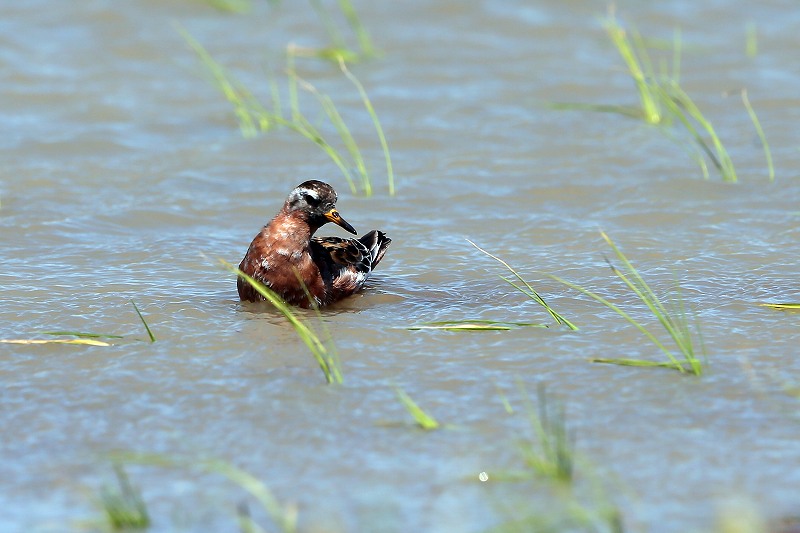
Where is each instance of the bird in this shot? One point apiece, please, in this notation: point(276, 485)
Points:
point(304, 270)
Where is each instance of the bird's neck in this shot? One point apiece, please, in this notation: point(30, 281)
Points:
point(290, 228)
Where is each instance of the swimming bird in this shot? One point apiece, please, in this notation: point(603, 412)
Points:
point(286, 257)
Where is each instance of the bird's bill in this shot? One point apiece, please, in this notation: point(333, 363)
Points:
point(334, 216)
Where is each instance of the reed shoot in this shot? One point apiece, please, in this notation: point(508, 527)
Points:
point(528, 290)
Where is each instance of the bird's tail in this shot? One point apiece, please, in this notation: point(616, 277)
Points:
point(376, 242)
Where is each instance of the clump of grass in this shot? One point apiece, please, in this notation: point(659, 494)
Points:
point(144, 322)
point(124, 506)
point(254, 117)
point(674, 320)
point(422, 419)
point(663, 101)
point(283, 516)
point(327, 360)
point(526, 289)
point(551, 454)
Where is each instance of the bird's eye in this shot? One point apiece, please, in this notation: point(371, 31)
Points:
point(311, 200)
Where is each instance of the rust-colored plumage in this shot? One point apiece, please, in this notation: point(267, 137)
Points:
point(285, 252)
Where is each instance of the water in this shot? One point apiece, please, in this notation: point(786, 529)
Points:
point(124, 178)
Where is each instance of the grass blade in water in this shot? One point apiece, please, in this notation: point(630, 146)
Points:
point(378, 129)
point(285, 517)
point(149, 333)
point(87, 342)
point(675, 322)
point(529, 291)
point(326, 362)
point(783, 307)
point(82, 334)
point(124, 507)
point(474, 325)
point(423, 419)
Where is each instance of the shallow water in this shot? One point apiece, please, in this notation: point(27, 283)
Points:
point(125, 178)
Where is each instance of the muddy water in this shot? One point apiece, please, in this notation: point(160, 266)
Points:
point(124, 177)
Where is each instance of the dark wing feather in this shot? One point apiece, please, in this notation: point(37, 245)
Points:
point(350, 261)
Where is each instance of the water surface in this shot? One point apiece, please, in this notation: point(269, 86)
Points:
point(125, 178)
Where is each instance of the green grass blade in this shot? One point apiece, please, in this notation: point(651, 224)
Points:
point(378, 129)
point(344, 132)
point(535, 296)
point(309, 338)
point(284, 517)
point(650, 106)
point(82, 334)
point(474, 325)
point(87, 342)
point(757, 125)
point(531, 292)
point(504, 400)
point(677, 95)
point(124, 506)
point(674, 322)
point(783, 306)
point(327, 21)
point(149, 333)
point(621, 313)
point(751, 40)
point(423, 419)
point(628, 111)
point(331, 354)
point(639, 362)
point(364, 41)
point(249, 113)
point(551, 454)
point(639, 286)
